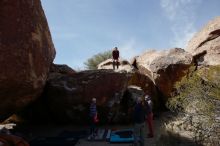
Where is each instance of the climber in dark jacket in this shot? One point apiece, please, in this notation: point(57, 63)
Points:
point(115, 56)
point(139, 122)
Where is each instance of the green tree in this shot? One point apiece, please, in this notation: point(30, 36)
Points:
point(92, 63)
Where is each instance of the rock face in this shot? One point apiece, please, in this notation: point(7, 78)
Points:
point(197, 102)
point(164, 67)
point(62, 68)
point(26, 53)
point(205, 45)
point(67, 96)
point(123, 65)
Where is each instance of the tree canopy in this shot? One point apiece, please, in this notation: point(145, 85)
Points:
point(94, 61)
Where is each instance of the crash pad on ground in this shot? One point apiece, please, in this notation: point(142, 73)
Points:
point(122, 136)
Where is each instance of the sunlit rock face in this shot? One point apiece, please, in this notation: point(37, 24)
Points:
point(26, 53)
point(197, 102)
point(205, 45)
point(164, 67)
point(123, 65)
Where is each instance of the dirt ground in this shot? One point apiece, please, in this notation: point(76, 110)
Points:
point(55, 130)
point(32, 132)
point(148, 141)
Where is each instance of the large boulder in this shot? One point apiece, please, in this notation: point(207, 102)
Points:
point(123, 65)
point(205, 45)
point(26, 53)
point(147, 85)
point(164, 67)
point(197, 102)
point(62, 68)
point(67, 96)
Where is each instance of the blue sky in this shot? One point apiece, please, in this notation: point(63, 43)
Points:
point(83, 28)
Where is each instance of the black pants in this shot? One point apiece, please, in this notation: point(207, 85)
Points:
point(117, 63)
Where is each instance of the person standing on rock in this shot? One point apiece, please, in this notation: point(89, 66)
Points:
point(93, 117)
point(139, 123)
point(149, 120)
point(115, 56)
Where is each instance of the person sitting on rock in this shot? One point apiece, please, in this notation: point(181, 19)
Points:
point(115, 56)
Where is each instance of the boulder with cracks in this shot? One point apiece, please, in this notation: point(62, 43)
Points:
point(26, 53)
point(205, 45)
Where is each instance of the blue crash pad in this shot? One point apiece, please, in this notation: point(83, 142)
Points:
point(122, 136)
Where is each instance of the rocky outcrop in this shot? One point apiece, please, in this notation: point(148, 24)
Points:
point(88, 84)
point(197, 102)
point(67, 96)
point(123, 65)
point(196, 99)
point(26, 53)
point(61, 68)
point(164, 67)
point(205, 45)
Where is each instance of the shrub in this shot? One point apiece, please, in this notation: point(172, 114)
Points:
point(94, 61)
point(197, 91)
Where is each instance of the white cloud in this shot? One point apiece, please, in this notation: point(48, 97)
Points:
point(182, 34)
point(129, 49)
point(181, 14)
point(174, 7)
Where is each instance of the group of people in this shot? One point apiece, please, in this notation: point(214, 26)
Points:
point(143, 115)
